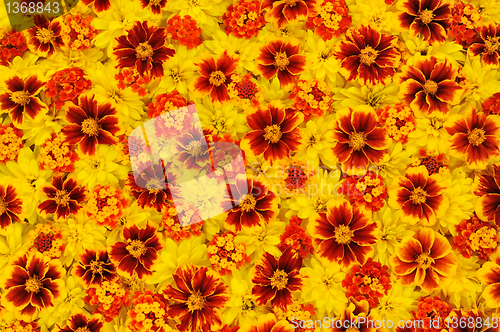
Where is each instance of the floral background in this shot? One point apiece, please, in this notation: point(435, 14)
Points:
point(370, 132)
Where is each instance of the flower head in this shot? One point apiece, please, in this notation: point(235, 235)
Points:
point(488, 45)
point(95, 267)
point(79, 323)
point(64, 197)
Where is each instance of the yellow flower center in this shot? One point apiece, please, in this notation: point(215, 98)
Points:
point(20, 97)
point(281, 60)
point(136, 248)
point(3, 206)
point(290, 3)
point(82, 329)
point(194, 148)
point(430, 87)
point(44, 35)
point(90, 127)
point(357, 140)
point(352, 329)
point(217, 78)
point(33, 285)
point(155, 2)
point(62, 197)
point(418, 196)
point(476, 136)
point(424, 261)
point(144, 51)
point(154, 184)
point(248, 203)
point(426, 16)
point(195, 302)
point(492, 44)
point(96, 266)
point(368, 56)
point(272, 133)
point(279, 279)
point(343, 234)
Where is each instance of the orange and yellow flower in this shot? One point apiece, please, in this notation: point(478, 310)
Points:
point(487, 187)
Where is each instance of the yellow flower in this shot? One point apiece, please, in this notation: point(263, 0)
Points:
point(397, 304)
point(13, 245)
point(261, 239)
point(373, 13)
point(67, 58)
point(418, 48)
point(395, 161)
point(238, 48)
point(274, 94)
point(431, 134)
point(317, 141)
point(206, 12)
point(222, 120)
point(481, 82)
point(179, 71)
point(354, 94)
point(321, 62)
point(41, 128)
point(323, 287)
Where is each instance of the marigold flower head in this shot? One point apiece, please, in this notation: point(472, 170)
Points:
point(398, 121)
point(244, 19)
point(105, 205)
point(11, 207)
point(46, 239)
point(95, 267)
point(225, 255)
point(57, 155)
point(66, 85)
point(475, 236)
point(433, 161)
point(185, 30)
point(370, 282)
point(149, 312)
point(108, 298)
point(11, 142)
point(312, 97)
point(64, 197)
point(12, 44)
point(332, 20)
point(296, 239)
point(487, 45)
point(77, 31)
point(78, 322)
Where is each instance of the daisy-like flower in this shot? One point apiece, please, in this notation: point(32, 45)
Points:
point(191, 149)
point(321, 61)
point(139, 252)
point(258, 205)
point(262, 239)
point(45, 36)
point(359, 140)
point(79, 322)
point(143, 48)
point(95, 267)
point(282, 12)
point(317, 142)
point(420, 196)
point(489, 274)
point(281, 58)
point(33, 283)
point(487, 187)
point(64, 197)
point(276, 279)
point(199, 297)
point(344, 234)
point(424, 260)
point(429, 87)
point(11, 207)
point(476, 136)
point(20, 99)
point(369, 56)
point(90, 124)
point(488, 45)
point(216, 76)
point(430, 18)
point(275, 132)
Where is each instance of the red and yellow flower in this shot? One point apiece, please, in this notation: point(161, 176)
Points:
point(11, 207)
point(282, 12)
point(95, 267)
point(57, 155)
point(475, 136)
point(45, 36)
point(419, 196)
point(274, 133)
point(475, 236)
point(105, 205)
point(489, 274)
point(199, 297)
point(425, 259)
point(269, 323)
point(108, 298)
point(368, 56)
point(64, 197)
point(487, 187)
point(359, 139)
point(345, 234)
point(429, 87)
point(79, 322)
point(139, 252)
point(276, 279)
point(488, 45)
point(150, 312)
point(47, 239)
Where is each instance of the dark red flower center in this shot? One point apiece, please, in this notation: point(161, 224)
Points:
point(62, 197)
point(272, 133)
point(492, 44)
point(281, 60)
point(476, 136)
point(20, 97)
point(368, 56)
point(431, 164)
point(96, 266)
point(279, 279)
point(418, 196)
point(90, 127)
point(426, 16)
point(400, 123)
point(33, 285)
point(357, 140)
point(424, 261)
point(248, 203)
point(44, 35)
point(136, 248)
point(144, 51)
point(196, 302)
point(44, 242)
point(217, 78)
point(430, 87)
point(296, 177)
point(343, 234)
point(246, 89)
